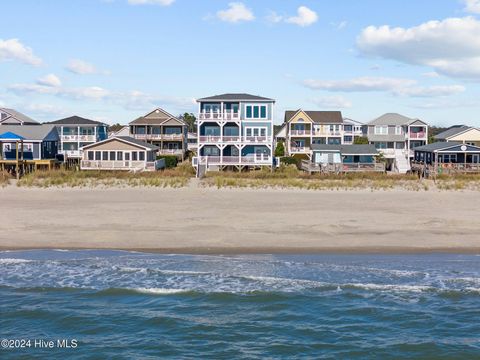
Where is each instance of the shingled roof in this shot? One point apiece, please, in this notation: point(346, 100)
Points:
point(235, 97)
point(16, 115)
point(320, 117)
point(451, 131)
point(76, 120)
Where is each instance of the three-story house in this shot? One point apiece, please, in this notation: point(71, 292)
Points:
point(235, 131)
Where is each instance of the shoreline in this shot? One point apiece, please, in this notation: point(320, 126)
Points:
point(195, 220)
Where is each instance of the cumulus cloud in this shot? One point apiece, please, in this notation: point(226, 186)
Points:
point(151, 2)
point(332, 102)
point(50, 80)
point(472, 6)
point(304, 17)
point(81, 67)
point(236, 12)
point(14, 50)
point(451, 46)
point(82, 93)
point(394, 86)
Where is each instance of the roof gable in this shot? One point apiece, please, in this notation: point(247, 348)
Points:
point(18, 116)
point(235, 97)
point(11, 136)
point(394, 119)
point(76, 120)
point(124, 139)
point(319, 117)
point(469, 133)
point(451, 131)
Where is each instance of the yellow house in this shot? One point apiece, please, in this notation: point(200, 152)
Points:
point(462, 134)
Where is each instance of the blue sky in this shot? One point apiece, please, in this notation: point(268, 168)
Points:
point(114, 60)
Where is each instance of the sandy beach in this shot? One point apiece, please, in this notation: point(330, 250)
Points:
point(198, 220)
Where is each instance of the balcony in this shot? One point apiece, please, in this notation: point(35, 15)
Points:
point(327, 133)
point(219, 115)
point(253, 159)
point(81, 138)
point(215, 139)
point(418, 135)
point(300, 132)
point(116, 165)
point(159, 137)
point(71, 153)
point(170, 152)
point(299, 149)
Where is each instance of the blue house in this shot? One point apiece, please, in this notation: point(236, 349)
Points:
point(235, 131)
point(40, 142)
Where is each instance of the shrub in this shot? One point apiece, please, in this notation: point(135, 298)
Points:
point(170, 160)
point(289, 160)
point(361, 140)
point(280, 149)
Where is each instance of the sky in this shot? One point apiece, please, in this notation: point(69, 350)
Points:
point(116, 60)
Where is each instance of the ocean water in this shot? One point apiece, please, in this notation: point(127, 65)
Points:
point(126, 305)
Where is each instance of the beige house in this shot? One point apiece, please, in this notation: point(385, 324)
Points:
point(461, 134)
point(120, 153)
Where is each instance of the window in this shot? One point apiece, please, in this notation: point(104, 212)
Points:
point(448, 158)
point(127, 156)
point(381, 130)
point(211, 151)
point(398, 130)
point(98, 155)
point(104, 155)
point(134, 156)
point(348, 128)
point(91, 155)
point(348, 138)
point(173, 130)
point(119, 155)
point(112, 155)
point(255, 131)
point(141, 155)
point(256, 112)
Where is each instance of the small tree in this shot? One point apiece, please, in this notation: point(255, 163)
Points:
point(190, 120)
point(280, 149)
point(361, 140)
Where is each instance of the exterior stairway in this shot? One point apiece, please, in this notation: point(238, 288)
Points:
point(402, 163)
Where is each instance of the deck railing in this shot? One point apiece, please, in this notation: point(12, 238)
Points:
point(446, 168)
point(83, 138)
point(219, 115)
point(308, 166)
point(115, 165)
point(170, 152)
point(299, 149)
point(235, 139)
point(418, 135)
point(254, 159)
point(300, 132)
point(167, 137)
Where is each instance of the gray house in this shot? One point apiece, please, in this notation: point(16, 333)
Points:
point(13, 117)
point(396, 136)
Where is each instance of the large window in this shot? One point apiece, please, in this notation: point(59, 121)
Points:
point(141, 156)
point(256, 112)
point(173, 130)
point(447, 158)
point(91, 155)
point(381, 130)
point(256, 131)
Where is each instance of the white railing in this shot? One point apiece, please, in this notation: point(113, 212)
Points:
point(300, 132)
point(84, 138)
point(327, 133)
point(299, 149)
point(72, 153)
point(219, 115)
point(171, 137)
point(387, 152)
point(236, 139)
point(115, 165)
point(170, 151)
point(253, 159)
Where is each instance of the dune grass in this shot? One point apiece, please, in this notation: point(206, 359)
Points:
point(4, 178)
point(175, 178)
point(291, 177)
point(458, 182)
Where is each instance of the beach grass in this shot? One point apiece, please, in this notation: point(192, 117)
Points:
point(4, 178)
point(291, 177)
point(458, 182)
point(174, 178)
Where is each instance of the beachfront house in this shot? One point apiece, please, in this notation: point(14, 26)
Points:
point(235, 131)
point(34, 145)
point(13, 117)
point(119, 153)
point(192, 140)
point(395, 136)
point(163, 130)
point(460, 133)
point(446, 157)
point(77, 132)
point(303, 129)
point(327, 158)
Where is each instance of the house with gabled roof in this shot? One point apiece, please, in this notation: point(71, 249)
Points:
point(395, 136)
point(119, 153)
point(460, 133)
point(40, 142)
point(162, 129)
point(13, 117)
point(77, 132)
point(235, 131)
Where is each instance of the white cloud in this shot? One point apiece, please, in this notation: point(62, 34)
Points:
point(45, 109)
point(13, 49)
point(81, 67)
point(151, 2)
point(431, 74)
point(394, 86)
point(332, 102)
point(273, 17)
point(236, 12)
point(50, 80)
point(451, 46)
point(305, 17)
point(84, 93)
point(359, 84)
point(472, 6)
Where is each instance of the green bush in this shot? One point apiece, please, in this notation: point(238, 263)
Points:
point(170, 160)
point(289, 160)
point(280, 149)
